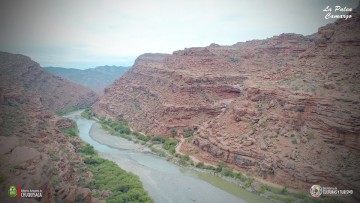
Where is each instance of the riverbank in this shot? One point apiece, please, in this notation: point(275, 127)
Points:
point(107, 182)
point(209, 173)
point(164, 181)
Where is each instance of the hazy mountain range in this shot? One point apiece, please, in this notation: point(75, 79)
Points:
point(94, 78)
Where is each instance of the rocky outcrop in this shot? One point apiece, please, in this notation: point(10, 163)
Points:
point(285, 109)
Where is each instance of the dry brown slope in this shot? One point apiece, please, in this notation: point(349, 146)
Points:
point(34, 152)
point(20, 74)
point(285, 109)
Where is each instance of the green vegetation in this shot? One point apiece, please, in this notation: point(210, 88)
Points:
point(311, 135)
point(293, 140)
point(119, 128)
point(141, 136)
point(223, 169)
point(125, 186)
point(71, 109)
point(200, 165)
point(87, 113)
point(170, 145)
point(276, 190)
point(188, 133)
point(72, 132)
point(53, 156)
point(173, 132)
point(11, 103)
point(248, 182)
point(184, 159)
point(87, 150)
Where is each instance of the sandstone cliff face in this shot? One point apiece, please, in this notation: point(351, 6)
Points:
point(34, 152)
point(19, 75)
point(285, 109)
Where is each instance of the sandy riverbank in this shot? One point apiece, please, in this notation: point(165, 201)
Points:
point(97, 133)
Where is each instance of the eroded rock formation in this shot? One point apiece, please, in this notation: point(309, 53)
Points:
point(34, 151)
point(285, 108)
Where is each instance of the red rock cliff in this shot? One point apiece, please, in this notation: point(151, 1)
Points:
point(285, 108)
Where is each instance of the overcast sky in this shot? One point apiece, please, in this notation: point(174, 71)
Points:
point(86, 33)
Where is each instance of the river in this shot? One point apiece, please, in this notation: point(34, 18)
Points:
point(164, 181)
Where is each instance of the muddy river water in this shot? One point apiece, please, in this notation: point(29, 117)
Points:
point(165, 182)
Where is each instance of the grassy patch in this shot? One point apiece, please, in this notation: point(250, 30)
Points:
point(276, 190)
point(87, 150)
point(72, 132)
point(120, 128)
point(71, 109)
point(188, 133)
point(248, 182)
point(311, 135)
point(125, 186)
point(87, 113)
point(170, 145)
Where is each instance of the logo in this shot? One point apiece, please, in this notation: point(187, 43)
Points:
point(337, 12)
point(12, 191)
point(316, 190)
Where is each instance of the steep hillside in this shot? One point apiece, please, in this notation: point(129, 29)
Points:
point(94, 78)
point(285, 109)
point(36, 149)
point(20, 75)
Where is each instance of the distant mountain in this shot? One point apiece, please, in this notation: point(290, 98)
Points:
point(94, 78)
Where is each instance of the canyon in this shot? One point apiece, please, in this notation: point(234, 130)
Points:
point(284, 109)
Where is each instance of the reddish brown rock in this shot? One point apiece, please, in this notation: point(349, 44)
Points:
point(284, 108)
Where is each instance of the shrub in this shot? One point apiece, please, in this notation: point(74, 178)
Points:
point(72, 132)
point(208, 167)
point(200, 165)
point(188, 133)
point(311, 135)
point(248, 182)
point(220, 166)
point(173, 132)
point(227, 172)
point(141, 136)
point(170, 145)
point(125, 186)
point(87, 113)
point(158, 139)
point(87, 149)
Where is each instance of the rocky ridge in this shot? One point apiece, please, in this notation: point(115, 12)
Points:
point(285, 109)
point(21, 75)
point(94, 78)
point(35, 151)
